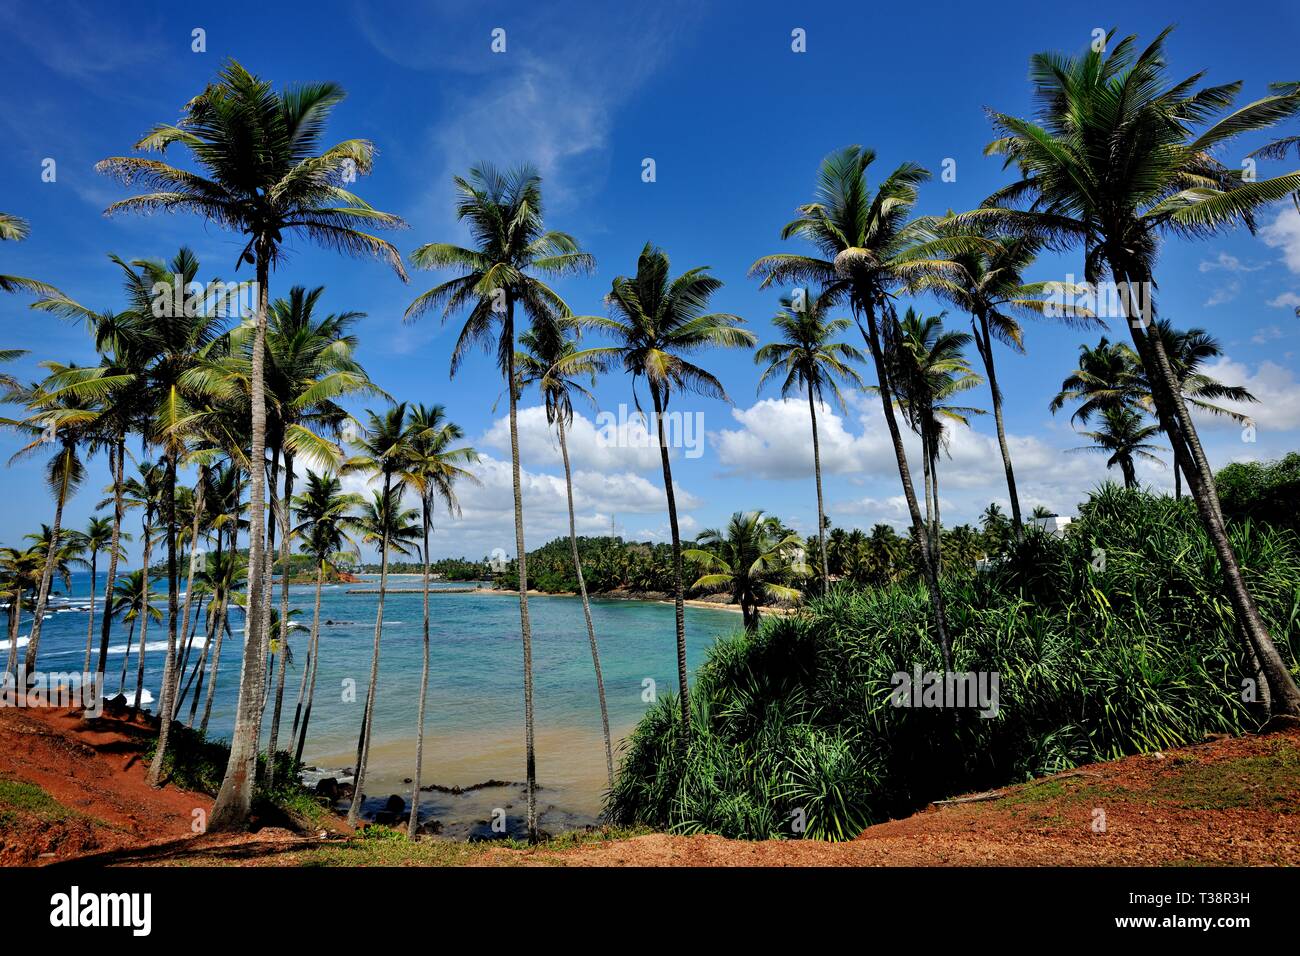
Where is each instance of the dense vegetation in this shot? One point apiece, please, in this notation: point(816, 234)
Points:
point(1264, 491)
point(1103, 646)
point(608, 564)
point(448, 569)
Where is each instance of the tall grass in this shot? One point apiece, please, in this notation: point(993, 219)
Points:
point(1111, 641)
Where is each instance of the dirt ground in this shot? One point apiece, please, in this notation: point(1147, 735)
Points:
point(1228, 801)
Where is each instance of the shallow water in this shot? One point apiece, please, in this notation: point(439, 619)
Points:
point(474, 725)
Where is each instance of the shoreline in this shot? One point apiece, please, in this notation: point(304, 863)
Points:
point(647, 597)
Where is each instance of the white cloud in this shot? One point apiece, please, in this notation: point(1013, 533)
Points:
point(774, 442)
point(1284, 233)
point(1287, 300)
point(1276, 388)
point(632, 449)
point(1270, 333)
point(1224, 293)
point(1227, 263)
point(487, 519)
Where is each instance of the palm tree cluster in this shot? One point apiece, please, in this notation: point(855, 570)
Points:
point(218, 413)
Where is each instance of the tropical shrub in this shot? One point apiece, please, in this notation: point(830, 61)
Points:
point(1264, 491)
point(1113, 640)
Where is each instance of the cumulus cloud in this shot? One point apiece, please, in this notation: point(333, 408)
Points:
point(1226, 262)
point(773, 442)
point(1224, 294)
point(1276, 388)
point(624, 446)
point(1284, 233)
point(487, 519)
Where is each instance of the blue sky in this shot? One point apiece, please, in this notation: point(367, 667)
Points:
point(736, 123)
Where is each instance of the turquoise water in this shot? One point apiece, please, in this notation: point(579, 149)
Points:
point(474, 726)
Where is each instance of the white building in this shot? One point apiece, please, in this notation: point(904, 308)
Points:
point(1053, 524)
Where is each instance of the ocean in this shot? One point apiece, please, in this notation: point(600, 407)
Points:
point(474, 729)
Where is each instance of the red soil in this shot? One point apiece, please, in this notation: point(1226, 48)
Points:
point(1226, 802)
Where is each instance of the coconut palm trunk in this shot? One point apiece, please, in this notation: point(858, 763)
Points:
point(223, 615)
point(47, 573)
point(1177, 423)
point(126, 658)
point(143, 613)
point(90, 624)
point(586, 604)
point(195, 683)
point(15, 614)
point(821, 508)
point(414, 823)
point(285, 623)
point(235, 798)
point(872, 336)
point(679, 585)
point(525, 626)
point(166, 697)
point(273, 498)
point(313, 664)
point(106, 626)
point(194, 548)
point(985, 346)
point(367, 717)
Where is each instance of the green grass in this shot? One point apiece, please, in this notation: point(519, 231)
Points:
point(20, 801)
point(1264, 782)
point(383, 846)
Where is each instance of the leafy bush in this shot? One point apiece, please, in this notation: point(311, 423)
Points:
point(1264, 491)
point(1111, 641)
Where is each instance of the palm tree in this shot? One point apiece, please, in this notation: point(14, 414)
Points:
point(1157, 174)
point(324, 526)
point(869, 250)
point(266, 177)
point(504, 213)
point(309, 364)
point(383, 451)
point(811, 362)
point(995, 528)
point(1124, 436)
point(14, 229)
point(1279, 147)
point(655, 321)
point(434, 465)
point(133, 597)
point(746, 559)
point(62, 421)
point(547, 360)
point(1188, 350)
point(1110, 375)
point(221, 576)
point(927, 367)
point(174, 332)
point(118, 384)
point(145, 493)
point(97, 536)
point(20, 573)
point(990, 287)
